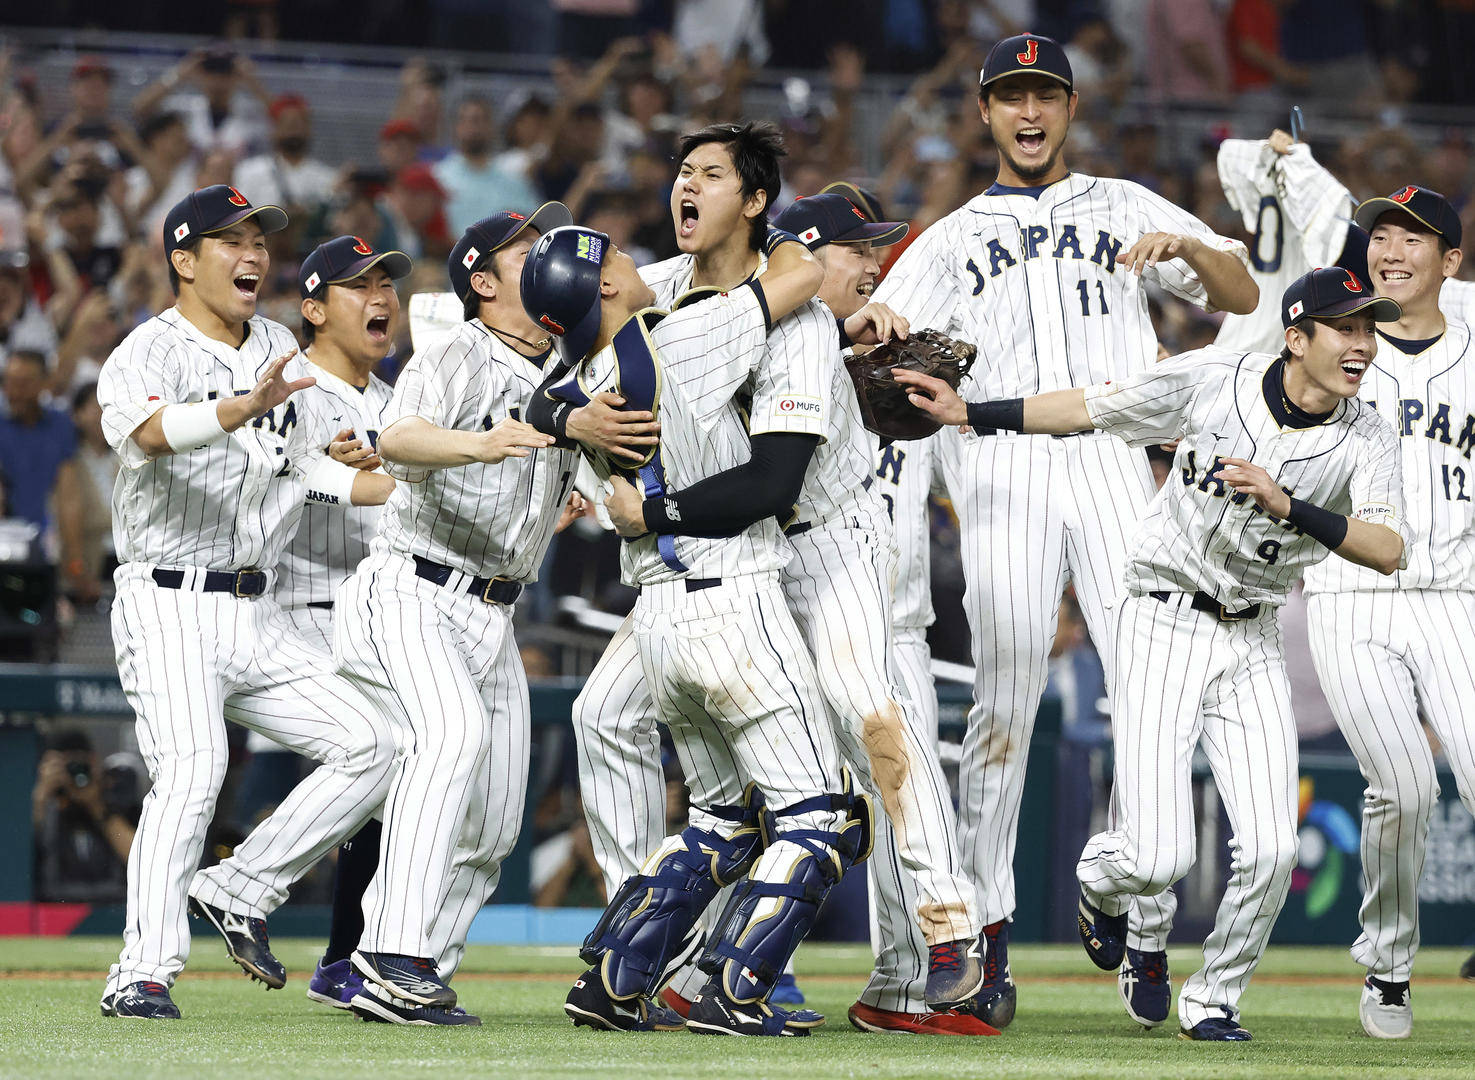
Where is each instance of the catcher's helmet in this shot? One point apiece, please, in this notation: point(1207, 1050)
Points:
point(560, 286)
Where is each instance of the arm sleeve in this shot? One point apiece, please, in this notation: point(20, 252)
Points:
point(138, 380)
point(1318, 206)
point(764, 486)
point(436, 386)
point(550, 416)
point(1149, 406)
point(923, 285)
point(792, 391)
point(1156, 214)
point(1376, 487)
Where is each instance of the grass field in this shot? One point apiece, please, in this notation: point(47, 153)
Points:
point(1302, 1009)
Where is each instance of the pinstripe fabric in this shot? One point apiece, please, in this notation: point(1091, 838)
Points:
point(1386, 661)
point(188, 662)
point(1184, 679)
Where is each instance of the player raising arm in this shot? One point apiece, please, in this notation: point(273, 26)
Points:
point(1197, 643)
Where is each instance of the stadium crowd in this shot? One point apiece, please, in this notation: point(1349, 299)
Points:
point(86, 177)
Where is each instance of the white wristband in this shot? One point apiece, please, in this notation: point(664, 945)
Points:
point(189, 427)
point(331, 482)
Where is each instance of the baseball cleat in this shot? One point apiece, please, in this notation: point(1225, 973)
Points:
point(245, 942)
point(998, 996)
point(1103, 936)
point(786, 991)
point(712, 1013)
point(953, 1022)
point(1467, 969)
point(1215, 1029)
point(1386, 1009)
point(589, 1005)
point(954, 974)
point(1145, 988)
point(141, 1001)
point(411, 979)
point(373, 1005)
point(334, 984)
point(794, 1018)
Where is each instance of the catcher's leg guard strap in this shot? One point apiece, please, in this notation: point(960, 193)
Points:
point(647, 929)
point(772, 911)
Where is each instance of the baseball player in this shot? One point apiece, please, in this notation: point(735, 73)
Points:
point(1391, 651)
point(895, 999)
point(424, 624)
point(1278, 463)
point(1044, 273)
point(350, 311)
point(837, 583)
point(220, 450)
point(730, 675)
point(1298, 216)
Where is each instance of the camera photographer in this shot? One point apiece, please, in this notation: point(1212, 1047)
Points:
point(83, 815)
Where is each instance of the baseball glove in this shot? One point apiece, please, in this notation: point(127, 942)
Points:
point(883, 401)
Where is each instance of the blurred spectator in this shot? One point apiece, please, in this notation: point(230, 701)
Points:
point(97, 468)
point(165, 172)
point(475, 186)
point(416, 208)
point(84, 816)
point(287, 176)
point(1101, 67)
point(421, 102)
point(725, 27)
point(76, 211)
point(23, 322)
point(1328, 40)
point(1256, 63)
point(399, 146)
point(224, 112)
point(527, 138)
point(38, 448)
point(1188, 59)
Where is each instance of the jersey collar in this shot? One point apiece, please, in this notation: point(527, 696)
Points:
point(1286, 412)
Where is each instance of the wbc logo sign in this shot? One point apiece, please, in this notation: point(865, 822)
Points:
point(1031, 52)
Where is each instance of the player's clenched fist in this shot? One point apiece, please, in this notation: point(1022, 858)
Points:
point(1254, 481)
point(621, 433)
point(626, 507)
point(511, 438)
point(1156, 247)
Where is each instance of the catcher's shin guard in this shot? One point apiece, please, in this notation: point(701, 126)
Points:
point(647, 932)
point(772, 910)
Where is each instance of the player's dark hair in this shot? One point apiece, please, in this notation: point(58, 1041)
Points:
point(755, 148)
point(309, 332)
point(192, 244)
point(1308, 327)
point(471, 305)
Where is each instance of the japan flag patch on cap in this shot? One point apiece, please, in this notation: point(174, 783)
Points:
point(1296, 309)
point(470, 259)
point(810, 235)
point(312, 281)
point(181, 232)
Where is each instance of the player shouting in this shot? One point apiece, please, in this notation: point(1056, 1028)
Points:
point(1044, 273)
point(1278, 462)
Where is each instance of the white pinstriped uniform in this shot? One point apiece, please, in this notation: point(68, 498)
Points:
point(1183, 677)
point(727, 669)
point(444, 660)
point(1034, 284)
point(838, 585)
point(1457, 298)
point(189, 660)
point(1297, 215)
point(1391, 651)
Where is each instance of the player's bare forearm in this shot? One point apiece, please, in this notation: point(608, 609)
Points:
point(1226, 280)
point(1059, 412)
point(1375, 546)
point(792, 278)
point(416, 443)
point(371, 489)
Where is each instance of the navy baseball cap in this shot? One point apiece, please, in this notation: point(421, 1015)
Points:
point(214, 209)
point(344, 258)
point(1428, 208)
point(1026, 54)
point(864, 198)
point(560, 286)
point(490, 234)
point(833, 219)
point(1331, 291)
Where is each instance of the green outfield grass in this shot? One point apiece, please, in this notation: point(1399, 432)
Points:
point(1302, 1010)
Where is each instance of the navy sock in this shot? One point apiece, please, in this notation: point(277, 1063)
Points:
point(358, 859)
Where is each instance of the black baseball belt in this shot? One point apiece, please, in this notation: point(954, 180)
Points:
point(489, 590)
point(1202, 601)
point(242, 583)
